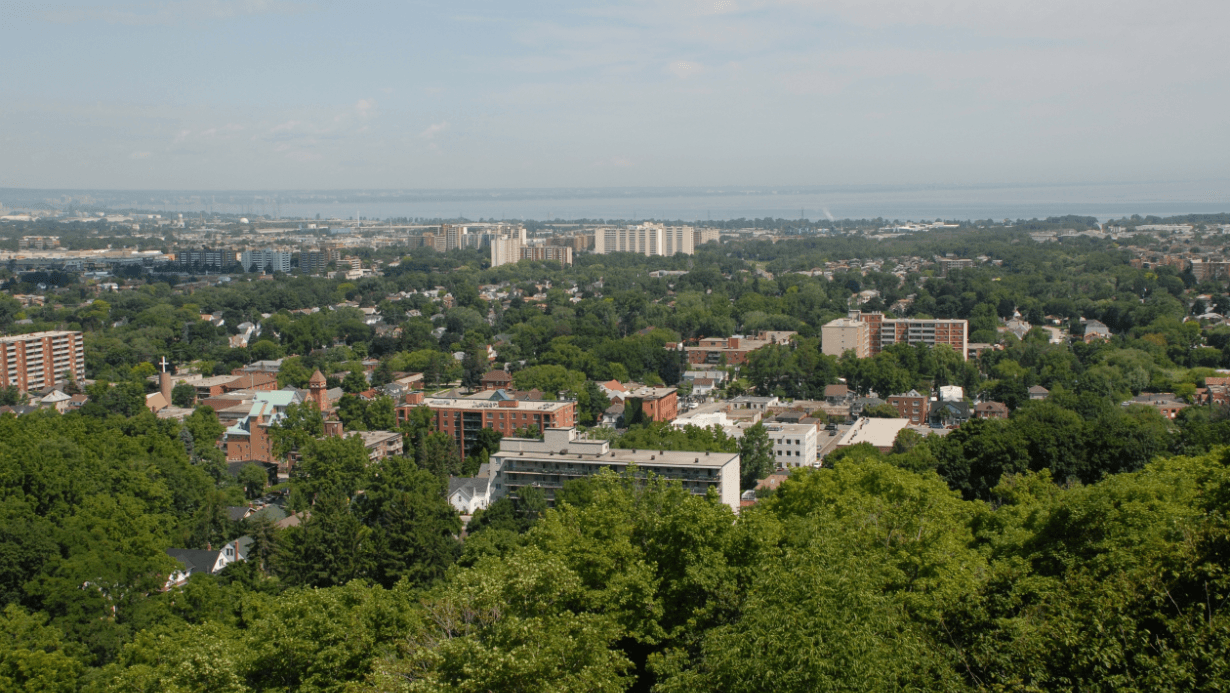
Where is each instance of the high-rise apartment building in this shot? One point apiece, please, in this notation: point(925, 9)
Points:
point(317, 261)
point(454, 236)
point(645, 239)
point(703, 236)
point(34, 361)
point(555, 253)
point(205, 258)
point(930, 331)
point(846, 334)
point(261, 260)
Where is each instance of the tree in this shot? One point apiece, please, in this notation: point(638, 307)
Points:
point(755, 456)
point(380, 415)
point(355, 382)
point(253, 478)
point(329, 548)
point(183, 394)
point(332, 464)
point(414, 527)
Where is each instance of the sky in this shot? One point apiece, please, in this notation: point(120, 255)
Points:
point(284, 94)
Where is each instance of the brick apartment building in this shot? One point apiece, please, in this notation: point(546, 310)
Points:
point(931, 331)
point(711, 350)
point(34, 361)
point(656, 403)
point(912, 406)
point(464, 417)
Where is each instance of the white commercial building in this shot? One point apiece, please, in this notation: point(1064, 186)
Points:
point(560, 457)
point(506, 249)
point(794, 445)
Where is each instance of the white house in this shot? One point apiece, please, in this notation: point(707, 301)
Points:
point(470, 494)
point(208, 561)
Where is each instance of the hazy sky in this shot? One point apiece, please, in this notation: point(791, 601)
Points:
point(228, 94)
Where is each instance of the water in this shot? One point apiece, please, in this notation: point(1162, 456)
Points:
point(1104, 201)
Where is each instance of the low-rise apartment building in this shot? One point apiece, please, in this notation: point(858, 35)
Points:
point(464, 417)
point(794, 445)
point(912, 406)
point(561, 456)
point(733, 351)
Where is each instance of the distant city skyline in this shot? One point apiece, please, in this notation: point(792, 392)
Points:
point(281, 94)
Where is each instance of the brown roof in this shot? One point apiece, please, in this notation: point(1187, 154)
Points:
point(498, 376)
point(317, 378)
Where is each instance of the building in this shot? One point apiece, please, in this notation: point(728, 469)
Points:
point(507, 249)
point(794, 444)
point(879, 433)
point(947, 264)
point(653, 403)
point(733, 351)
point(1039, 392)
point(703, 236)
point(990, 410)
point(464, 417)
point(204, 259)
point(912, 406)
point(205, 561)
point(1165, 403)
point(381, 444)
point(496, 380)
point(645, 239)
point(34, 361)
point(846, 334)
point(1096, 329)
point(561, 457)
point(929, 331)
point(317, 261)
point(248, 440)
point(454, 236)
point(38, 242)
point(548, 253)
point(265, 260)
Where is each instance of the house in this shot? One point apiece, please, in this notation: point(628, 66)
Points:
point(57, 400)
point(1095, 329)
point(1165, 403)
point(990, 410)
point(470, 494)
point(945, 412)
point(496, 380)
point(836, 394)
point(207, 561)
point(613, 417)
point(1039, 392)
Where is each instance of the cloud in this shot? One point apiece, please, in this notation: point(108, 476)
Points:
point(139, 155)
point(365, 107)
point(169, 12)
point(433, 130)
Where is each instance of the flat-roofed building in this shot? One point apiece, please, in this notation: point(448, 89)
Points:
point(794, 444)
point(645, 239)
point(930, 331)
point(561, 457)
point(654, 403)
point(39, 359)
point(548, 253)
point(463, 417)
point(911, 405)
point(733, 350)
point(879, 433)
point(846, 334)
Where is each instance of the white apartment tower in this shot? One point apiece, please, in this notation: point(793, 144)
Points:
point(645, 239)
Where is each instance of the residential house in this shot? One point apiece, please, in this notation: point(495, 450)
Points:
point(990, 410)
